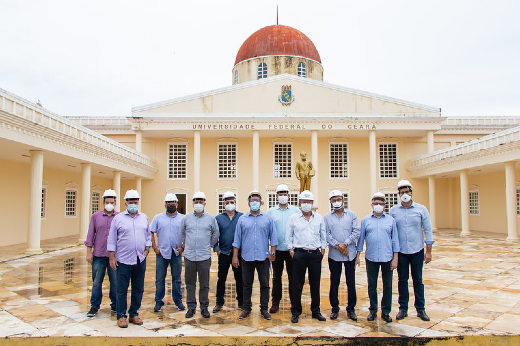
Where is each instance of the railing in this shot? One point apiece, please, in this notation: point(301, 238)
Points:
point(99, 121)
point(482, 121)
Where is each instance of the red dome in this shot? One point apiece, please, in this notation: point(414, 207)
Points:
point(277, 40)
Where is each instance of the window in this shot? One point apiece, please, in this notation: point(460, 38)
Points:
point(388, 160)
point(346, 199)
point(283, 160)
point(262, 70)
point(236, 76)
point(177, 161)
point(68, 270)
point(221, 205)
point(474, 208)
point(518, 201)
point(95, 201)
point(391, 200)
point(70, 202)
point(227, 161)
point(302, 70)
point(44, 202)
point(339, 160)
point(273, 201)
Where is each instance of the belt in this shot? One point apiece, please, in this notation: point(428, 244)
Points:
point(305, 250)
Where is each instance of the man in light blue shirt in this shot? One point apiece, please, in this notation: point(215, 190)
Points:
point(254, 232)
point(280, 214)
point(342, 228)
point(168, 251)
point(413, 225)
point(379, 231)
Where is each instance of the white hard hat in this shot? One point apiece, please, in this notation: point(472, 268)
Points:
point(282, 188)
point(199, 195)
point(132, 194)
point(335, 193)
point(254, 193)
point(379, 195)
point(307, 195)
point(171, 197)
point(109, 193)
point(228, 194)
point(403, 183)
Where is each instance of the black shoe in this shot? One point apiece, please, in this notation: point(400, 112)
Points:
point(217, 308)
point(205, 312)
point(333, 315)
point(157, 307)
point(401, 315)
point(113, 310)
point(92, 312)
point(265, 314)
point(295, 318)
point(371, 316)
point(319, 317)
point(386, 317)
point(190, 313)
point(181, 307)
point(421, 314)
point(352, 315)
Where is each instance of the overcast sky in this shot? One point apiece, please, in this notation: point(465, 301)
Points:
point(101, 58)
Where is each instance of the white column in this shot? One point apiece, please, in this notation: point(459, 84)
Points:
point(139, 141)
point(138, 188)
point(511, 201)
point(373, 161)
point(431, 188)
point(196, 161)
point(84, 216)
point(116, 182)
point(35, 203)
point(256, 160)
point(464, 203)
point(431, 146)
point(314, 161)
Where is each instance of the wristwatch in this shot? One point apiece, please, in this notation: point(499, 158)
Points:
point(273, 254)
point(291, 251)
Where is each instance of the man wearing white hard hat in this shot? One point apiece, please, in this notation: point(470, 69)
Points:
point(129, 243)
point(415, 230)
point(199, 233)
point(280, 214)
point(342, 227)
point(379, 231)
point(227, 222)
point(168, 251)
point(306, 240)
point(97, 253)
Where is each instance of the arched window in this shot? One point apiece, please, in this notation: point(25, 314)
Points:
point(236, 76)
point(302, 70)
point(262, 70)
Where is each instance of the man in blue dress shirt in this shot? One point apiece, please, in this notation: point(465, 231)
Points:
point(254, 232)
point(413, 226)
point(379, 231)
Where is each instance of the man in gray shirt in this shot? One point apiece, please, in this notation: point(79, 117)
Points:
point(199, 232)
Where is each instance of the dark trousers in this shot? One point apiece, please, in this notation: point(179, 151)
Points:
point(415, 263)
point(335, 268)
point(224, 261)
point(302, 261)
point(192, 269)
point(248, 276)
point(372, 274)
point(278, 264)
point(125, 274)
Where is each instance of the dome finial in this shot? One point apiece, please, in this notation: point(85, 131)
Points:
point(276, 14)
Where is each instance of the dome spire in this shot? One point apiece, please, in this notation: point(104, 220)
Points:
point(276, 14)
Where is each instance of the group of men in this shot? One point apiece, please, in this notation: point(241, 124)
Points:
point(285, 236)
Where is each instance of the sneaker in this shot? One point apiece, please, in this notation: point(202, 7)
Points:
point(180, 306)
point(113, 310)
point(92, 312)
point(157, 307)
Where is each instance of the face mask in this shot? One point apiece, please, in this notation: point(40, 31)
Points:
point(171, 209)
point(283, 200)
point(378, 209)
point(109, 207)
point(230, 206)
point(406, 198)
point(337, 205)
point(255, 206)
point(132, 208)
point(306, 207)
point(199, 208)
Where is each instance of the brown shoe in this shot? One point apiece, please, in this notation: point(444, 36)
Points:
point(265, 314)
point(217, 308)
point(274, 308)
point(244, 314)
point(136, 320)
point(122, 323)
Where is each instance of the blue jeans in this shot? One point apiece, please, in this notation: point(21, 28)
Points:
point(415, 263)
point(125, 273)
point(99, 267)
point(161, 269)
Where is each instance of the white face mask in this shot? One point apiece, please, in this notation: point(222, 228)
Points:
point(378, 209)
point(283, 200)
point(406, 198)
point(109, 207)
point(306, 207)
point(337, 205)
point(230, 206)
point(199, 208)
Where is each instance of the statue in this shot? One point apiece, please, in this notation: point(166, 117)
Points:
point(304, 172)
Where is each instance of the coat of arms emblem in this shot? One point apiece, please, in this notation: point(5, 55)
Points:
point(286, 97)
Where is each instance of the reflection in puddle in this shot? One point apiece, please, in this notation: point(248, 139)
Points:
point(40, 279)
point(68, 270)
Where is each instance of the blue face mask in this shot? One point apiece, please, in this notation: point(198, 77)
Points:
point(132, 208)
point(255, 206)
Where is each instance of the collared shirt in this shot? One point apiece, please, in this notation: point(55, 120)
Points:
point(413, 224)
point(280, 217)
point(343, 229)
point(226, 228)
point(303, 234)
point(129, 236)
point(98, 230)
point(253, 235)
point(198, 234)
point(381, 237)
point(167, 229)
